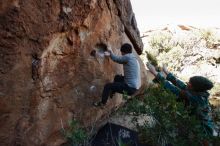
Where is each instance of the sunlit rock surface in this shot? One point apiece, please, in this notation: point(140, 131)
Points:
point(48, 73)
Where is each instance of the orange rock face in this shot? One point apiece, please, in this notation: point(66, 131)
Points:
point(48, 73)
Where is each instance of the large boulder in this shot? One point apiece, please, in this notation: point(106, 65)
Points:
point(52, 67)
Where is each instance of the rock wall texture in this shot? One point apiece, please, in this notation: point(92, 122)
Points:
point(49, 74)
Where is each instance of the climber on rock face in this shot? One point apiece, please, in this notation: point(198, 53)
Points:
point(130, 82)
point(194, 94)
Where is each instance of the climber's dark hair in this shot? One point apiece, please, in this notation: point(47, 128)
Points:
point(126, 48)
point(200, 83)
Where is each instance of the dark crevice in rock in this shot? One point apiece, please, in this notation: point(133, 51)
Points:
point(69, 40)
point(93, 53)
point(35, 67)
point(63, 17)
point(108, 5)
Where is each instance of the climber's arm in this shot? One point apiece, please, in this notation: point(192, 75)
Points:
point(119, 59)
point(176, 81)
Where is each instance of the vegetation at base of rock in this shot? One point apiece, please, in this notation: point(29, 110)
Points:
point(193, 52)
point(172, 121)
point(76, 135)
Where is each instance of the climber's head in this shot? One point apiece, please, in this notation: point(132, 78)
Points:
point(200, 84)
point(126, 48)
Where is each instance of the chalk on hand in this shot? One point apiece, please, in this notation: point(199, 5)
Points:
point(106, 53)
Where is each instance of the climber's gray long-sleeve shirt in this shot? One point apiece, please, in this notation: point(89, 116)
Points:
point(131, 69)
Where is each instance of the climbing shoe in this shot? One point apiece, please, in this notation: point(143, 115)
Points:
point(98, 104)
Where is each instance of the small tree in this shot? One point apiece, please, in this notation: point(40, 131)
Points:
point(172, 120)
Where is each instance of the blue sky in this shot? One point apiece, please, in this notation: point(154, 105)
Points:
point(154, 13)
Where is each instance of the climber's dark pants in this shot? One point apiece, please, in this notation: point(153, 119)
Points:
point(118, 86)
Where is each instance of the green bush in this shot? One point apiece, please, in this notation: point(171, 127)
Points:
point(161, 42)
point(172, 59)
point(209, 36)
point(134, 106)
point(76, 135)
point(152, 59)
point(172, 121)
